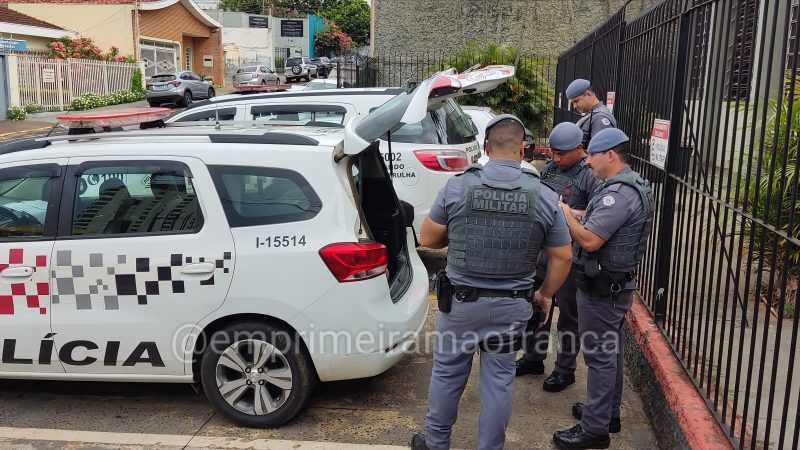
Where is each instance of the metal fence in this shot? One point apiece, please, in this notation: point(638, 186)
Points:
point(721, 272)
point(530, 95)
point(54, 83)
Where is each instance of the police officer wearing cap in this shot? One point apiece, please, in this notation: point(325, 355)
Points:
point(596, 116)
point(609, 243)
point(569, 175)
point(494, 219)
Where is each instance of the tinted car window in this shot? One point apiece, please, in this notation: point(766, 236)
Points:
point(457, 125)
point(294, 61)
point(299, 113)
point(24, 196)
point(135, 199)
point(260, 196)
point(161, 78)
point(246, 70)
point(210, 115)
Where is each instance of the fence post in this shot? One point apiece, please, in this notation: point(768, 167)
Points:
point(38, 81)
point(59, 85)
point(14, 86)
point(105, 78)
point(70, 87)
point(667, 215)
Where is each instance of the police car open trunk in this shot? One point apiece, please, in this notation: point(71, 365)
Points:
point(384, 216)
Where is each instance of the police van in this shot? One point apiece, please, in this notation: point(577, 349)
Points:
point(424, 155)
point(253, 261)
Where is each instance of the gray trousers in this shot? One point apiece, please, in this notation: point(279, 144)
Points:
point(569, 345)
point(458, 334)
point(600, 323)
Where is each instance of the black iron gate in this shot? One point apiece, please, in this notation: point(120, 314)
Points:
point(721, 273)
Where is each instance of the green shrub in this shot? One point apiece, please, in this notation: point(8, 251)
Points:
point(33, 108)
point(136, 81)
point(527, 95)
point(16, 113)
point(91, 100)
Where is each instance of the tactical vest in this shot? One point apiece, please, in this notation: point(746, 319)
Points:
point(564, 183)
point(625, 249)
point(587, 129)
point(496, 230)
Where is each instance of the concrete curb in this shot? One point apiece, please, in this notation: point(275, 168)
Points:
point(670, 387)
point(13, 134)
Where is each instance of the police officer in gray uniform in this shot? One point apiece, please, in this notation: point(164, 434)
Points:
point(596, 116)
point(570, 176)
point(494, 220)
point(609, 243)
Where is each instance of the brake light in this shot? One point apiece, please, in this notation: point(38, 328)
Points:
point(255, 76)
point(175, 83)
point(443, 160)
point(444, 85)
point(353, 261)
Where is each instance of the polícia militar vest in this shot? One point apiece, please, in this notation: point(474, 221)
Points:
point(625, 249)
point(565, 183)
point(496, 230)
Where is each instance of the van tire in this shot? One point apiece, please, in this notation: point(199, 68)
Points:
point(287, 358)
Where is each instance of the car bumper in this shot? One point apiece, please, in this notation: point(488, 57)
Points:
point(359, 335)
point(172, 94)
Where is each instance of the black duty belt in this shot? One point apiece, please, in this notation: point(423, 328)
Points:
point(471, 294)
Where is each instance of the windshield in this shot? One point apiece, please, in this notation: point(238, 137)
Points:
point(162, 78)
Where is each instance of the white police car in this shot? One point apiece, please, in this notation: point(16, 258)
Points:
point(254, 261)
point(424, 154)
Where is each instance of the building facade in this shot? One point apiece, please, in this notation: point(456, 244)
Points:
point(542, 27)
point(165, 34)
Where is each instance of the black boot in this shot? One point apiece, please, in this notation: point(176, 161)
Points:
point(558, 381)
point(614, 427)
point(578, 438)
point(529, 367)
point(418, 442)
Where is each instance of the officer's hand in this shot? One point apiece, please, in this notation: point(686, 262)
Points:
point(543, 303)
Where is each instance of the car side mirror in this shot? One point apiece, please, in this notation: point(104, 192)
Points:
point(408, 213)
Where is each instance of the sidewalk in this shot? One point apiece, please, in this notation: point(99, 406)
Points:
point(44, 121)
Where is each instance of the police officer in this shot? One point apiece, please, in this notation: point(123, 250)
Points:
point(608, 244)
point(494, 220)
point(570, 176)
point(596, 116)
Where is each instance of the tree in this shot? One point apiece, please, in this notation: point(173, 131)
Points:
point(246, 6)
point(332, 40)
point(351, 16)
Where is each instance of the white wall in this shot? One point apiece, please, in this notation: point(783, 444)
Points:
point(301, 44)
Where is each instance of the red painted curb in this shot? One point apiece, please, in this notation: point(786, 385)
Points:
point(698, 424)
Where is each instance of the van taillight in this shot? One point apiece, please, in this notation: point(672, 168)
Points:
point(443, 160)
point(353, 261)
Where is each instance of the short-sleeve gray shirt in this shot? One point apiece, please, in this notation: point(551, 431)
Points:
point(501, 170)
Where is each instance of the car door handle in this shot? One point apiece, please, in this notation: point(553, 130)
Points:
point(199, 268)
point(17, 272)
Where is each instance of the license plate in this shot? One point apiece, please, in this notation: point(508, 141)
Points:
point(161, 88)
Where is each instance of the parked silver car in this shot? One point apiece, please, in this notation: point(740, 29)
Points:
point(252, 75)
point(300, 67)
point(180, 87)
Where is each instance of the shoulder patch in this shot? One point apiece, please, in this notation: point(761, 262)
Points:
point(608, 200)
point(606, 122)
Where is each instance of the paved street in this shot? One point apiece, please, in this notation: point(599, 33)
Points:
point(384, 410)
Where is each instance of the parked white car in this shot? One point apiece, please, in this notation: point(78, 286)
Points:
point(252, 260)
point(424, 155)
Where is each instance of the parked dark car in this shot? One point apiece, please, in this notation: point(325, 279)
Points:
point(324, 66)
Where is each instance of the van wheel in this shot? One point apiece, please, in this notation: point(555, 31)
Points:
point(256, 374)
